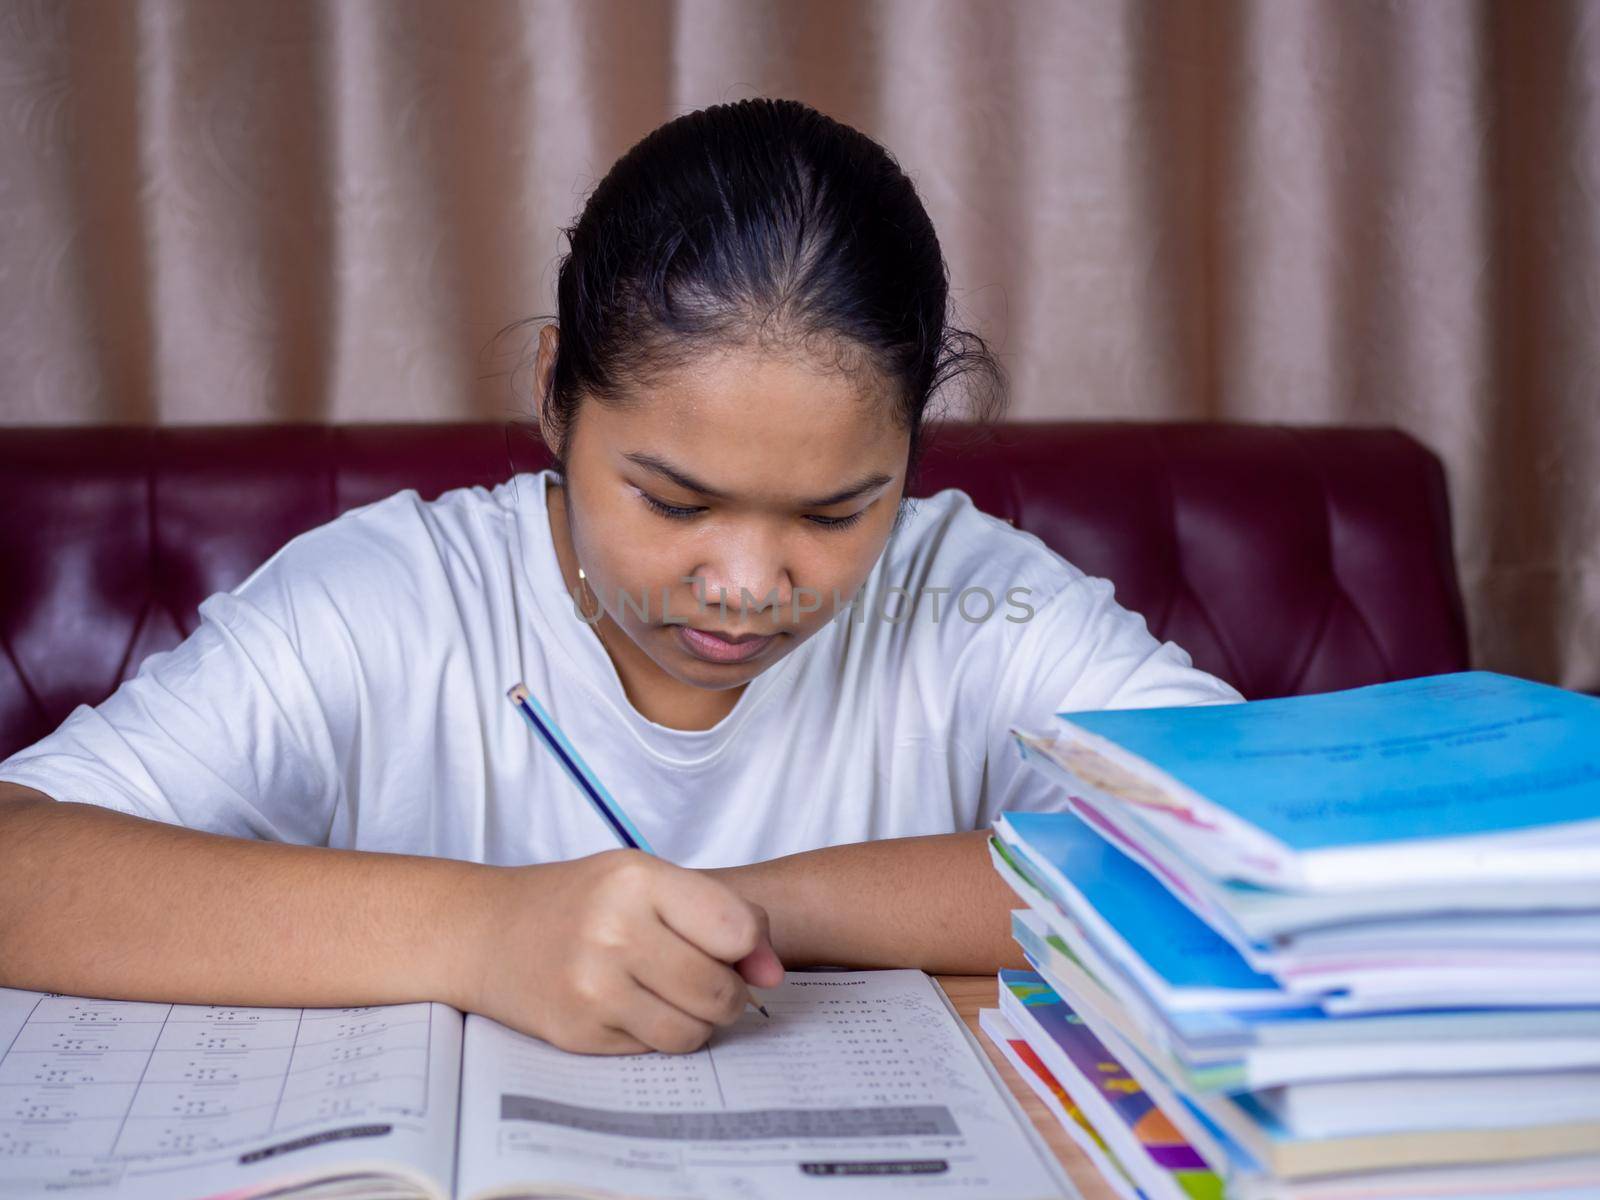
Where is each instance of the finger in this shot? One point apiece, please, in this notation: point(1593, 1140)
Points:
point(605, 1040)
point(660, 1026)
point(761, 967)
point(690, 979)
point(708, 914)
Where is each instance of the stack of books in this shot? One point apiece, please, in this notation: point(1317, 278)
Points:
point(1319, 948)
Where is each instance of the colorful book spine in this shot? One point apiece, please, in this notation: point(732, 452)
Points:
point(1148, 1144)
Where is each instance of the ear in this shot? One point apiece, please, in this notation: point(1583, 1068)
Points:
point(543, 371)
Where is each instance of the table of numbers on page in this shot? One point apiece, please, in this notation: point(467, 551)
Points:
point(108, 1080)
point(856, 1074)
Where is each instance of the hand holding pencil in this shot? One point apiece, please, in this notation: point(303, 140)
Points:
point(682, 937)
point(613, 953)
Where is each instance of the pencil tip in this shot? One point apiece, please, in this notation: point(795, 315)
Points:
point(764, 1011)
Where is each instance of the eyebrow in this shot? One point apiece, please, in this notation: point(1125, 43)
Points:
point(683, 479)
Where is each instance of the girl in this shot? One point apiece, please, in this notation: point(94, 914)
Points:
point(796, 683)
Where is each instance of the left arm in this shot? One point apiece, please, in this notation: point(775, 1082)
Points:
point(936, 902)
point(931, 902)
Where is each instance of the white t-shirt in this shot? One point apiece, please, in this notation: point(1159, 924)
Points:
point(352, 692)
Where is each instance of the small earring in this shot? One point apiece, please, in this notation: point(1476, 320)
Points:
point(583, 581)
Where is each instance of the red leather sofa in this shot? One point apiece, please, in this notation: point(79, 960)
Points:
point(1286, 560)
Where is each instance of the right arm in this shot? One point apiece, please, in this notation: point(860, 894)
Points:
point(100, 903)
point(614, 953)
point(172, 843)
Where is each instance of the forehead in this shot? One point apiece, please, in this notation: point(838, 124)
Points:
point(740, 414)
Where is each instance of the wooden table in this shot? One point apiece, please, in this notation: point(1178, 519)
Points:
point(969, 993)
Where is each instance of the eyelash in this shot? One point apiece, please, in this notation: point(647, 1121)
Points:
point(683, 514)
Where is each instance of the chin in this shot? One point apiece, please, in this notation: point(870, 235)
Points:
point(710, 677)
point(710, 671)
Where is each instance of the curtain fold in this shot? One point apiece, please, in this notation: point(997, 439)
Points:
point(1329, 211)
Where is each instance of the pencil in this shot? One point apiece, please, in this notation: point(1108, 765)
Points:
point(588, 782)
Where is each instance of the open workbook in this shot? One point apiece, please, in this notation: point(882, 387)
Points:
point(861, 1084)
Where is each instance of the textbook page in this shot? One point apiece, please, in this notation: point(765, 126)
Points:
point(146, 1101)
point(863, 1083)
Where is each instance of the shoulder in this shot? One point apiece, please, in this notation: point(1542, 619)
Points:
point(403, 527)
point(953, 590)
point(945, 540)
point(387, 559)
point(1034, 624)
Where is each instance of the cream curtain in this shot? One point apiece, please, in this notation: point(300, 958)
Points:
point(1290, 210)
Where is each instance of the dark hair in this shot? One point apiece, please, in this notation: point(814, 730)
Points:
point(759, 222)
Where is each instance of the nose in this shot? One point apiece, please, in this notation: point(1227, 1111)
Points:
point(748, 577)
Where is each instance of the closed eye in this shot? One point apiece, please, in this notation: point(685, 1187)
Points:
point(675, 513)
point(838, 522)
point(668, 510)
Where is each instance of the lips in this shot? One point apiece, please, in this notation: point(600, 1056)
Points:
point(719, 648)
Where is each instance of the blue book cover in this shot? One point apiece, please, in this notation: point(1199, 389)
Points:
point(1129, 913)
point(1473, 753)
